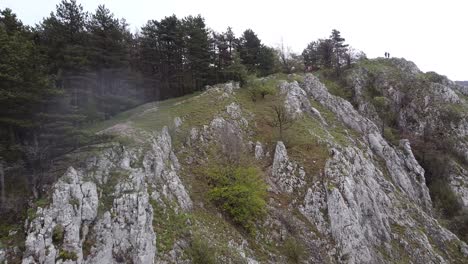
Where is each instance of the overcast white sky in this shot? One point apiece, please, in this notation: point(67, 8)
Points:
point(431, 33)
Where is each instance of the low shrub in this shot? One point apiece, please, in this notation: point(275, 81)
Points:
point(444, 198)
point(261, 88)
point(201, 252)
point(391, 135)
point(58, 234)
point(294, 251)
point(67, 255)
point(240, 192)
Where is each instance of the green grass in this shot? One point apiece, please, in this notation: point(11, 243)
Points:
point(168, 224)
point(135, 112)
point(196, 109)
point(67, 255)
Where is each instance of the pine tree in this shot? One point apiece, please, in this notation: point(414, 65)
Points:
point(109, 58)
point(267, 59)
point(197, 54)
point(249, 49)
point(339, 50)
point(162, 50)
point(231, 40)
point(24, 82)
point(311, 56)
point(25, 89)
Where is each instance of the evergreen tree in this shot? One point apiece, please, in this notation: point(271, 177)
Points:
point(339, 50)
point(24, 82)
point(236, 71)
point(311, 56)
point(231, 40)
point(267, 61)
point(197, 54)
point(163, 43)
point(76, 68)
point(63, 37)
point(325, 52)
point(25, 89)
point(249, 48)
point(109, 48)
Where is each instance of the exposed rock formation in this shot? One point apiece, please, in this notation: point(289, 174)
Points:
point(367, 202)
point(287, 175)
point(423, 105)
point(105, 210)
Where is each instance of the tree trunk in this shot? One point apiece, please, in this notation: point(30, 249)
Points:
point(2, 184)
point(11, 132)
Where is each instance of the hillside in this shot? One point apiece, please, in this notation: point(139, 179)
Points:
point(316, 169)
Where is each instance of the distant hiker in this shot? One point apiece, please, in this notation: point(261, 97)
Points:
point(388, 54)
point(385, 54)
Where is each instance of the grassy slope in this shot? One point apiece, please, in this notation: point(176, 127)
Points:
point(304, 140)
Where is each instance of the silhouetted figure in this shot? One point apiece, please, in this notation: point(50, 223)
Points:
point(388, 54)
point(385, 54)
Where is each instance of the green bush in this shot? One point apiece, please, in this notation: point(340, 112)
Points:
point(294, 251)
point(391, 135)
point(67, 255)
point(444, 199)
point(459, 225)
point(261, 88)
point(236, 71)
point(240, 192)
point(337, 89)
point(434, 77)
point(57, 234)
point(201, 252)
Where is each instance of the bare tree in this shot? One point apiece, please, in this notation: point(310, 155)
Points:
point(285, 57)
point(281, 119)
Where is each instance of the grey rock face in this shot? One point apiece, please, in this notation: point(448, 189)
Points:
point(74, 206)
point(234, 110)
point(226, 89)
point(361, 204)
point(409, 177)
point(297, 102)
point(258, 151)
point(421, 105)
point(235, 114)
point(287, 175)
point(177, 122)
point(459, 182)
point(114, 222)
point(161, 166)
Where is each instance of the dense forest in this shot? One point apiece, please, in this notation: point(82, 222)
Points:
point(76, 68)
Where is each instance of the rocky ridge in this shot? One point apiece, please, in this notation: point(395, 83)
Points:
point(368, 203)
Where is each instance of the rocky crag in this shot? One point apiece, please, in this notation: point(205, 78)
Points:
point(338, 189)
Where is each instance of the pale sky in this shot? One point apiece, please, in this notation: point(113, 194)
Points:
point(431, 33)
